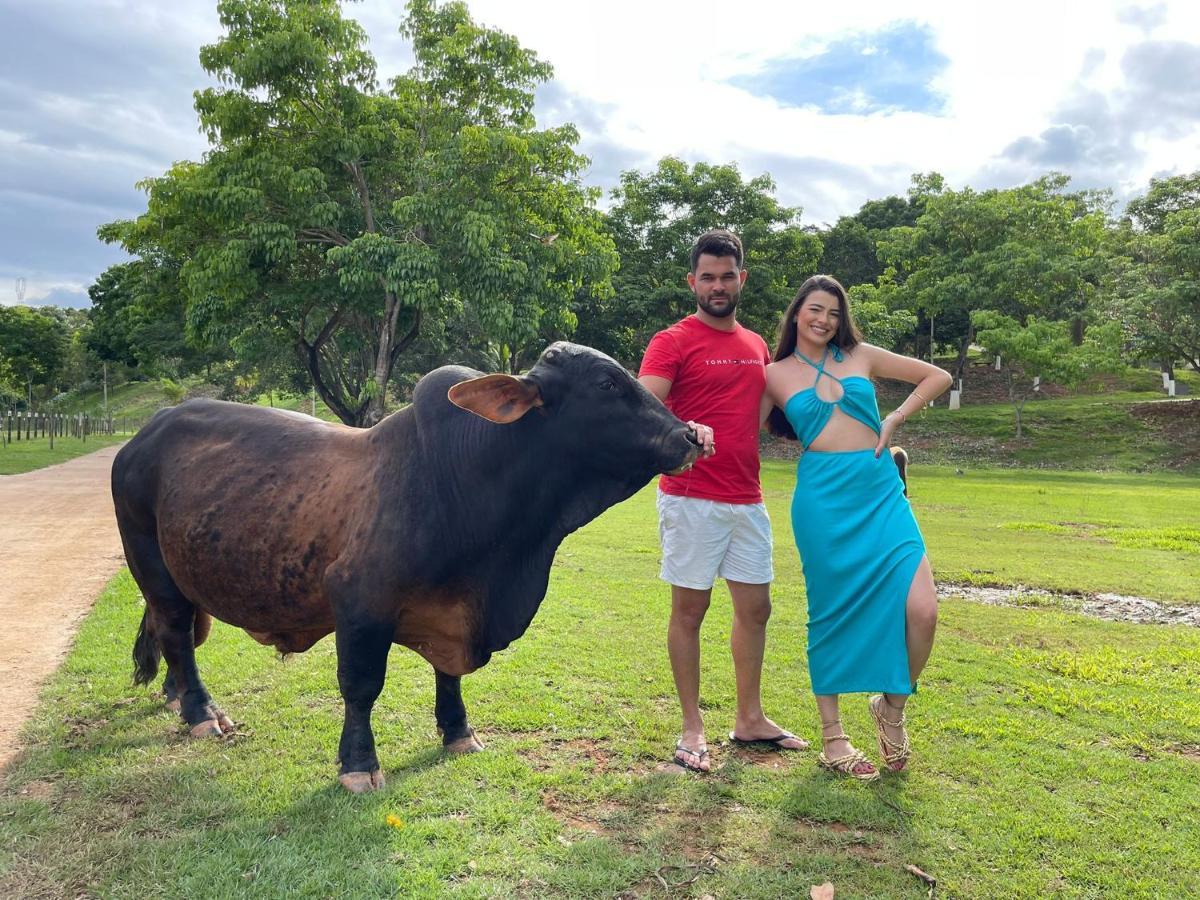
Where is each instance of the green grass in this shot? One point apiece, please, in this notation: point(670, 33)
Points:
point(134, 401)
point(1063, 531)
point(1056, 755)
point(1082, 432)
point(25, 456)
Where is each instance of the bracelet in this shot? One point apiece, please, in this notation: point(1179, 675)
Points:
point(922, 396)
point(896, 412)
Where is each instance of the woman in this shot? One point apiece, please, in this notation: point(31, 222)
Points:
point(872, 606)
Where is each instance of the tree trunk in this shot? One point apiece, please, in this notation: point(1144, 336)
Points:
point(961, 362)
point(1077, 330)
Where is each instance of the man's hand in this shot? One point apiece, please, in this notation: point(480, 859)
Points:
point(704, 437)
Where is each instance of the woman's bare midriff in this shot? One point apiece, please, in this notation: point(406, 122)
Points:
point(842, 433)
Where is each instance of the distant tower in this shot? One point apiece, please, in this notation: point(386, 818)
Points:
point(20, 290)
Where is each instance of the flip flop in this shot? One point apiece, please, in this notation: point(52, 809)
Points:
point(681, 751)
point(775, 742)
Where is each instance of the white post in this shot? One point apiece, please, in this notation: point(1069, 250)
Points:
point(1037, 382)
point(1171, 388)
point(997, 362)
point(954, 395)
point(1166, 378)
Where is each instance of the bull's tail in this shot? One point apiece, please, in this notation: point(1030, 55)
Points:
point(900, 458)
point(146, 653)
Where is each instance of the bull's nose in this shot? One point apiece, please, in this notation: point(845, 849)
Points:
point(692, 437)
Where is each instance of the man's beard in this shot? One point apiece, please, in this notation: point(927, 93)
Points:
point(720, 312)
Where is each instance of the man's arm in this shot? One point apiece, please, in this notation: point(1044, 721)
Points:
point(657, 385)
point(660, 387)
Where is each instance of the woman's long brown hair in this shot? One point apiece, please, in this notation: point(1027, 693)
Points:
point(847, 337)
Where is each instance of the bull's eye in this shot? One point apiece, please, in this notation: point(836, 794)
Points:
point(607, 384)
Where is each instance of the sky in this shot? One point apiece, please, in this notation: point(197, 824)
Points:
point(841, 102)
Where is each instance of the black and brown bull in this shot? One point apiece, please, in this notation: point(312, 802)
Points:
point(435, 529)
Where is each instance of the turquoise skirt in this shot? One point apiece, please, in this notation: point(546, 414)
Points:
point(860, 547)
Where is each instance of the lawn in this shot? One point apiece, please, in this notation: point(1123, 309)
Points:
point(25, 456)
point(1056, 755)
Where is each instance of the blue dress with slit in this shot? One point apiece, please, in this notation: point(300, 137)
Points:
point(859, 545)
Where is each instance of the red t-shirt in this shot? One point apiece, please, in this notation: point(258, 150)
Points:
point(717, 378)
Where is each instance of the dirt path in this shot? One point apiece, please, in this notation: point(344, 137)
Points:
point(58, 547)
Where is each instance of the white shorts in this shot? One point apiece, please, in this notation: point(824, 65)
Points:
point(702, 539)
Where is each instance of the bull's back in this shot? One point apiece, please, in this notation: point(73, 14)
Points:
point(249, 506)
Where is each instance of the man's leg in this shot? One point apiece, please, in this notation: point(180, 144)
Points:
point(688, 606)
point(748, 640)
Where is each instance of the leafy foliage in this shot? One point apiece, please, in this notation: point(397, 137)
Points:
point(1044, 349)
point(33, 347)
point(654, 221)
point(330, 217)
point(1158, 285)
point(1034, 249)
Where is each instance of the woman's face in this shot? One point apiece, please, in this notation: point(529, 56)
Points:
point(818, 317)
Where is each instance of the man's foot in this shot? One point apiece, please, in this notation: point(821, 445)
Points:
point(764, 731)
point(694, 758)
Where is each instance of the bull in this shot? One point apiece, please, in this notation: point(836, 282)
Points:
point(435, 529)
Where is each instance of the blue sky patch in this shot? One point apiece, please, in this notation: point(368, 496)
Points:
point(861, 73)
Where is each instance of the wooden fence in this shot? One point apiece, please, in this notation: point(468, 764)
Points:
point(23, 425)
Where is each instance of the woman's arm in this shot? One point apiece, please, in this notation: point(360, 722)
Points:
point(768, 397)
point(930, 382)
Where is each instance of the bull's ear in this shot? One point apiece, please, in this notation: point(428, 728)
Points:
point(498, 398)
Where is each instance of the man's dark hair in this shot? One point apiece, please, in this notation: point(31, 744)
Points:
point(718, 242)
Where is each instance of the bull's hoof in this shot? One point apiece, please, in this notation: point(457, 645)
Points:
point(207, 728)
point(174, 705)
point(225, 723)
point(362, 782)
point(468, 744)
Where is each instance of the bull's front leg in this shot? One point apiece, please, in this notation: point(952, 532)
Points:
point(362, 650)
point(457, 735)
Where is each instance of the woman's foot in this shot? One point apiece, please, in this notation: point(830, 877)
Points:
point(841, 756)
point(889, 729)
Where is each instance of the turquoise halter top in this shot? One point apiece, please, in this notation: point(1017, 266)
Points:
point(808, 414)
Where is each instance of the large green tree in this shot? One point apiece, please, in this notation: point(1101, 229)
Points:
point(1158, 286)
point(330, 216)
point(654, 220)
point(849, 246)
point(33, 348)
point(1044, 349)
point(1035, 249)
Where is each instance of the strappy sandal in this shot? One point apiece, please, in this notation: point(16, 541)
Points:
point(848, 763)
point(895, 756)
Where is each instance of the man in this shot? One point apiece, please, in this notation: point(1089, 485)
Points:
point(712, 521)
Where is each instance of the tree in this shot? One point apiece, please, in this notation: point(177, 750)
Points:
point(1158, 285)
point(654, 221)
point(849, 247)
point(1034, 249)
point(33, 347)
point(874, 310)
point(1045, 349)
point(330, 217)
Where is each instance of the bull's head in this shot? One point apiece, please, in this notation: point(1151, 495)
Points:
point(596, 411)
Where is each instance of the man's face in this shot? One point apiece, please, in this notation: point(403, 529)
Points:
point(717, 284)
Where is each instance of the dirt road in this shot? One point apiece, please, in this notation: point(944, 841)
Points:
point(58, 547)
